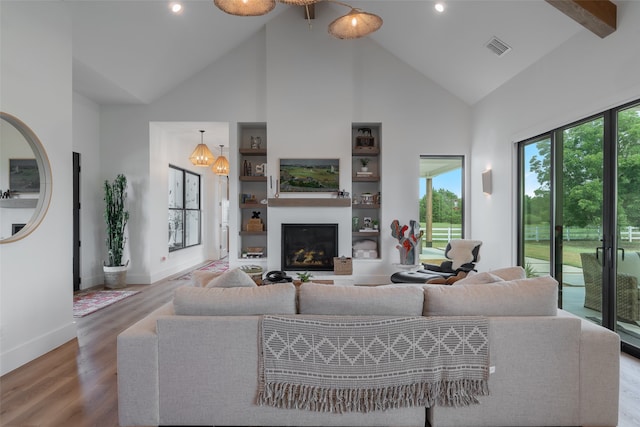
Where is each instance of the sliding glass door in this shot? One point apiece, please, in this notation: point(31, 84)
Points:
point(580, 217)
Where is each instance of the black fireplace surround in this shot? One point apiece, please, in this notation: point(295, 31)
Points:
point(309, 246)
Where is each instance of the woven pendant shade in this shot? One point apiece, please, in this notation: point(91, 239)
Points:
point(355, 24)
point(202, 156)
point(221, 165)
point(299, 2)
point(245, 7)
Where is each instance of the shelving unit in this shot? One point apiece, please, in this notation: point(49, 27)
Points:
point(365, 184)
point(252, 158)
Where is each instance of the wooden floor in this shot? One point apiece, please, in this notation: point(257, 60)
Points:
point(75, 384)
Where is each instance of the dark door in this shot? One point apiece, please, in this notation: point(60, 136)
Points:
point(76, 221)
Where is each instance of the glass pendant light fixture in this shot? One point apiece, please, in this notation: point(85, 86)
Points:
point(201, 156)
point(245, 7)
point(221, 165)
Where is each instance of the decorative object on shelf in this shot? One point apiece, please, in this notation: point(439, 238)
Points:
point(364, 164)
point(253, 252)
point(261, 169)
point(255, 224)
point(116, 217)
point(367, 224)
point(255, 214)
point(202, 156)
point(375, 224)
point(221, 165)
point(246, 168)
point(353, 25)
point(256, 142)
point(355, 223)
point(364, 138)
point(408, 242)
point(5, 195)
point(366, 198)
point(343, 194)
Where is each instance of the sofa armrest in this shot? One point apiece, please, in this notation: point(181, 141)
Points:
point(599, 374)
point(137, 364)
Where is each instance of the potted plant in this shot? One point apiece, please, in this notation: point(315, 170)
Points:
point(116, 217)
point(304, 277)
point(364, 162)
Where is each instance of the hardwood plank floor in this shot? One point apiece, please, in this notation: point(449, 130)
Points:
point(75, 385)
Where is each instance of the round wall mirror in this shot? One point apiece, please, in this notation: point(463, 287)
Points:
point(25, 180)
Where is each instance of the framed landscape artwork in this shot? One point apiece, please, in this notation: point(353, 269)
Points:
point(309, 175)
point(24, 176)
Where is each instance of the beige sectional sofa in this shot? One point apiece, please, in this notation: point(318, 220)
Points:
point(195, 360)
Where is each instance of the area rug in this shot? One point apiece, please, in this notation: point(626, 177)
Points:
point(218, 266)
point(85, 303)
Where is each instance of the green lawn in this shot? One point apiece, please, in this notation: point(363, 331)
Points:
point(571, 250)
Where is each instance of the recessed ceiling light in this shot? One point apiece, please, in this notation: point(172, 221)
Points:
point(439, 7)
point(176, 7)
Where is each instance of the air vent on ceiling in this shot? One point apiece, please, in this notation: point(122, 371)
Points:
point(497, 46)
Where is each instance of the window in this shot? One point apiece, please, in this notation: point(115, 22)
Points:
point(184, 209)
point(441, 203)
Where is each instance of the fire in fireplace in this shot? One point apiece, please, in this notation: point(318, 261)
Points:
point(309, 246)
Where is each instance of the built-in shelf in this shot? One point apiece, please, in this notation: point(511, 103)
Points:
point(252, 206)
point(366, 206)
point(310, 202)
point(18, 203)
point(253, 233)
point(252, 152)
point(365, 179)
point(366, 233)
point(253, 178)
point(365, 151)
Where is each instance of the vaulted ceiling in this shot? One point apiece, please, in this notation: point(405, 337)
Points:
point(135, 51)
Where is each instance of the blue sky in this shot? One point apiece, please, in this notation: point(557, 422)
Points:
point(451, 181)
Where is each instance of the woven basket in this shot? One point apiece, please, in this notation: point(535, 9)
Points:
point(342, 265)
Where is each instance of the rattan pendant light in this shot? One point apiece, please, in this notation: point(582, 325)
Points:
point(201, 156)
point(221, 165)
point(355, 24)
point(245, 7)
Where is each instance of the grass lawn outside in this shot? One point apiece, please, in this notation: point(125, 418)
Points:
point(571, 250)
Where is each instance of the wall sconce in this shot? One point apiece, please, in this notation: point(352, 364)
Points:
point(486, 182)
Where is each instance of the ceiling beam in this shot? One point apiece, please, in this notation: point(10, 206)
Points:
point(598, 16)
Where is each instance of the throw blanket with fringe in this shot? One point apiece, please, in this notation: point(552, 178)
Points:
point(361, 364)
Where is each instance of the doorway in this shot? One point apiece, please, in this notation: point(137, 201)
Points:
point(579, 217)
point(76, 221)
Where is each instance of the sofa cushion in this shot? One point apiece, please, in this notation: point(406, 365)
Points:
point(478, 278)
point(525, 297)
point(234, 278)
point(240, 301)
point(360, 300)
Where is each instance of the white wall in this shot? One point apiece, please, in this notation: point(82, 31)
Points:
point(584, 76)
point(309, 88)
point(86, 141)
point(35, 273)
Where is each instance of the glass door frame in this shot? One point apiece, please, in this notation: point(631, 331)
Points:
point(609, 210)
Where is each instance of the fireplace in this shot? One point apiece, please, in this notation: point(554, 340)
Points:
point(309, 246)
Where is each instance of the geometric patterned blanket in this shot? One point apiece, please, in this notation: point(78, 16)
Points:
point(365, 363)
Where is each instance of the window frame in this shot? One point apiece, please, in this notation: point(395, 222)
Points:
point(184, 201)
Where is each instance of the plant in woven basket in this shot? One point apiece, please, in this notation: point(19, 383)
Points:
point(116, 217)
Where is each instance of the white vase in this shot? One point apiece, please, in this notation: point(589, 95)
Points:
point(364, 169)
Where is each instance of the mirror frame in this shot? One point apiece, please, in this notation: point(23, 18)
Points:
point(44, 171)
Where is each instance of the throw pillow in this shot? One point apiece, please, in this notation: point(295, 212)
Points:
point(242, 301)
point(525, 297)
point(510, 273)
point(235, 278)
point(200, 278)
point(479, 278)
point(360, 300)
